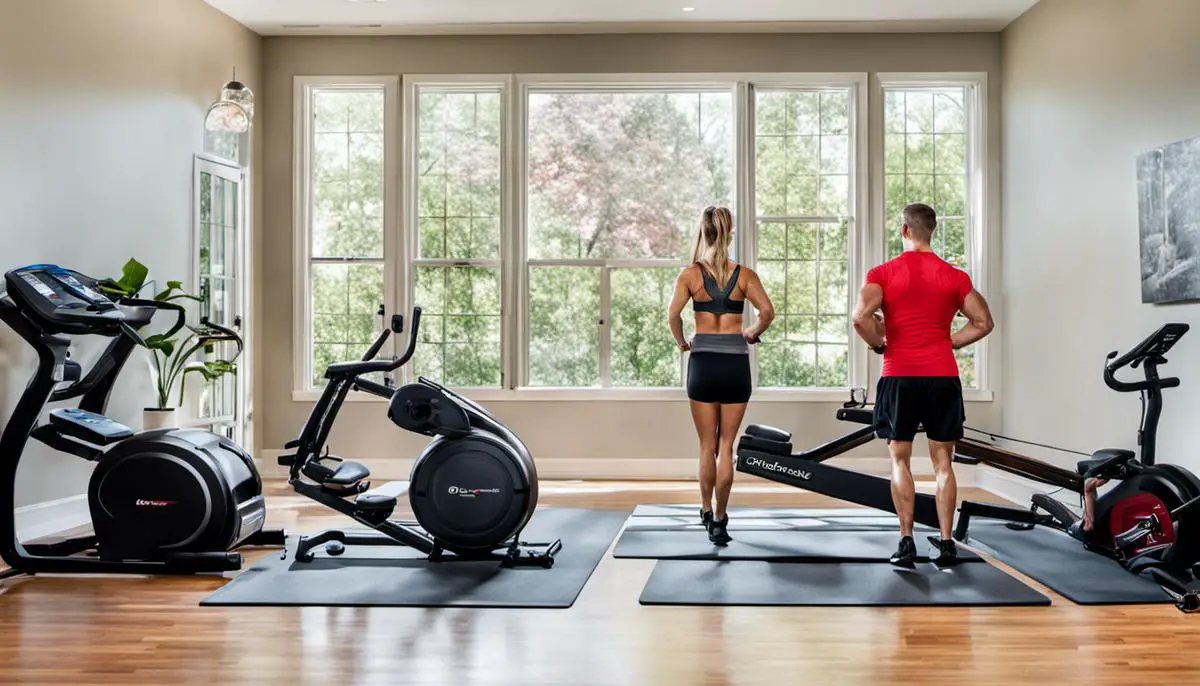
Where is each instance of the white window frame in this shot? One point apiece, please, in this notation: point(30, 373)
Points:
point(866, 239)
point(858, 241)
point(410, 180)
point(302, 136)
point(979, 184)
point(745, 221)
point(526, 84)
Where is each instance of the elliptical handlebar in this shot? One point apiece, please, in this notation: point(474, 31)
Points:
point(369, 365)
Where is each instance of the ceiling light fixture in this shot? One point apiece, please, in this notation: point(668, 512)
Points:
point(689, 9)
point(234, 111)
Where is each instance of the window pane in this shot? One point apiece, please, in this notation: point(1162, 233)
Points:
point(460, 325)
point(772, 241)
point(643, 352)
point(833, 366)
point(625, 175)
point(345, 300)
point(802, 166)
point(835, 292)
point(771, 175)
point(564, 332)
point(949, 115)
point(787, 364)
point(811, 293)
point(347, 174)
point(458, 185)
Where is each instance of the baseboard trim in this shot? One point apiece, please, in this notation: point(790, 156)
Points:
point(52, 517)
point(614, 469)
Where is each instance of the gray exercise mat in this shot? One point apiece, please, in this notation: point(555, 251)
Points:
point(792, 545)
point(690, 582)
point(368, 576)
point(693, 511)
point(1060, 562)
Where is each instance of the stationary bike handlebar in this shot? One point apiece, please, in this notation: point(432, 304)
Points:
point(1149, 354)
point(1116, 384)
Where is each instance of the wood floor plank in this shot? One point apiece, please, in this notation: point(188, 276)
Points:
point(114, 630)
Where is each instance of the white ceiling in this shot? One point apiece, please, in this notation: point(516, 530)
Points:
point(282, 17)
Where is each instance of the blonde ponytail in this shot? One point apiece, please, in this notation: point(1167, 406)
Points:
point(711, 249)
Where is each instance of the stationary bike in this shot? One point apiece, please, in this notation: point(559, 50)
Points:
point(169, 501)
point(1148, 521)
point(472, 490)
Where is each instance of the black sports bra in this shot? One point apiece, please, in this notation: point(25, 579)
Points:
point(720, 302)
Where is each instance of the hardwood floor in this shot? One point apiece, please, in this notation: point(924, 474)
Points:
point(151, 630)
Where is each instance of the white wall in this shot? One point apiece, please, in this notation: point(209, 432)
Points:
point(101, 109)
point(581, 437)
point(1088, 85)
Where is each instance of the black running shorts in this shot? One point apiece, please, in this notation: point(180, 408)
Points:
point(718, 378)
point(904, 404)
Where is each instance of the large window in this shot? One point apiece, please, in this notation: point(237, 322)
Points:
point(344, 184)
point(616, 179)
point(541, 221)
point(802, 170)
point(930, 142)
point(456, 264)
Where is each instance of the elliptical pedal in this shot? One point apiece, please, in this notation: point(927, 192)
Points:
point(523, 554)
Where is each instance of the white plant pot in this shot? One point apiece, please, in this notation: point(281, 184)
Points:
point(159, 419)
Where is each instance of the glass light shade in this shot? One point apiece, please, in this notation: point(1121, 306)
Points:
point(236, 91)
point(227, 116)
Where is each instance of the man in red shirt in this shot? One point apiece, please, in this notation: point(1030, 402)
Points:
point(919, 294)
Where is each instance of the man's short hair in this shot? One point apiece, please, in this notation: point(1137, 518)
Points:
point(920, 218)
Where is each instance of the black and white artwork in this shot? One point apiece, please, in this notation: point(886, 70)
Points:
point(1169, 222)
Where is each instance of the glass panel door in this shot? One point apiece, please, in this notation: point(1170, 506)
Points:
point(219, 282)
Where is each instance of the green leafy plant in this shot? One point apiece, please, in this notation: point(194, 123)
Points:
point(172, 352)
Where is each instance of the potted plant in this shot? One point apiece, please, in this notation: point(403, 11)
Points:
point(172, 353)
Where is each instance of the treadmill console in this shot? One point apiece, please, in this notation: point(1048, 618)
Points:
point(63, 301)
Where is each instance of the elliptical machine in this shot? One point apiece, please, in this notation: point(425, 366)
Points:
point(1148, 521)
point(171, 501)
point(472, 490)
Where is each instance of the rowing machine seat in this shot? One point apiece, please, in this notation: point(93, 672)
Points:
point(1105, 463)
point(764, 445)
point(768, 432)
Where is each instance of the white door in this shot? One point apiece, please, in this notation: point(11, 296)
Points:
point(219, 269)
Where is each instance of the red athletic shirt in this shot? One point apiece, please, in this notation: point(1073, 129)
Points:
point(921, 295)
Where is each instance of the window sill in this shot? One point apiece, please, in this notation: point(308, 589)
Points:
point(530, 394)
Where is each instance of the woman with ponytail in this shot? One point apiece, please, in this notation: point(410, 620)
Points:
point(718, 382)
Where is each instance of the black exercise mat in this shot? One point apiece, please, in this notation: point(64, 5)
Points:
point(690, 582)
point(1060, 562)
point(777, 544)
point(398, 576)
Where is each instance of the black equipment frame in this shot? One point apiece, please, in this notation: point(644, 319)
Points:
point(341, 378)
point(53, 368)
point(1172, 566)
point(807, 470)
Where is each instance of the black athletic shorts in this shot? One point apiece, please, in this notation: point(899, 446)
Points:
point(905, 403)
point(718, 378)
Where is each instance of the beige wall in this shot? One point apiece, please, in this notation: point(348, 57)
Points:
point(1088, 85)
point(594, 430)
point(101, 109)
